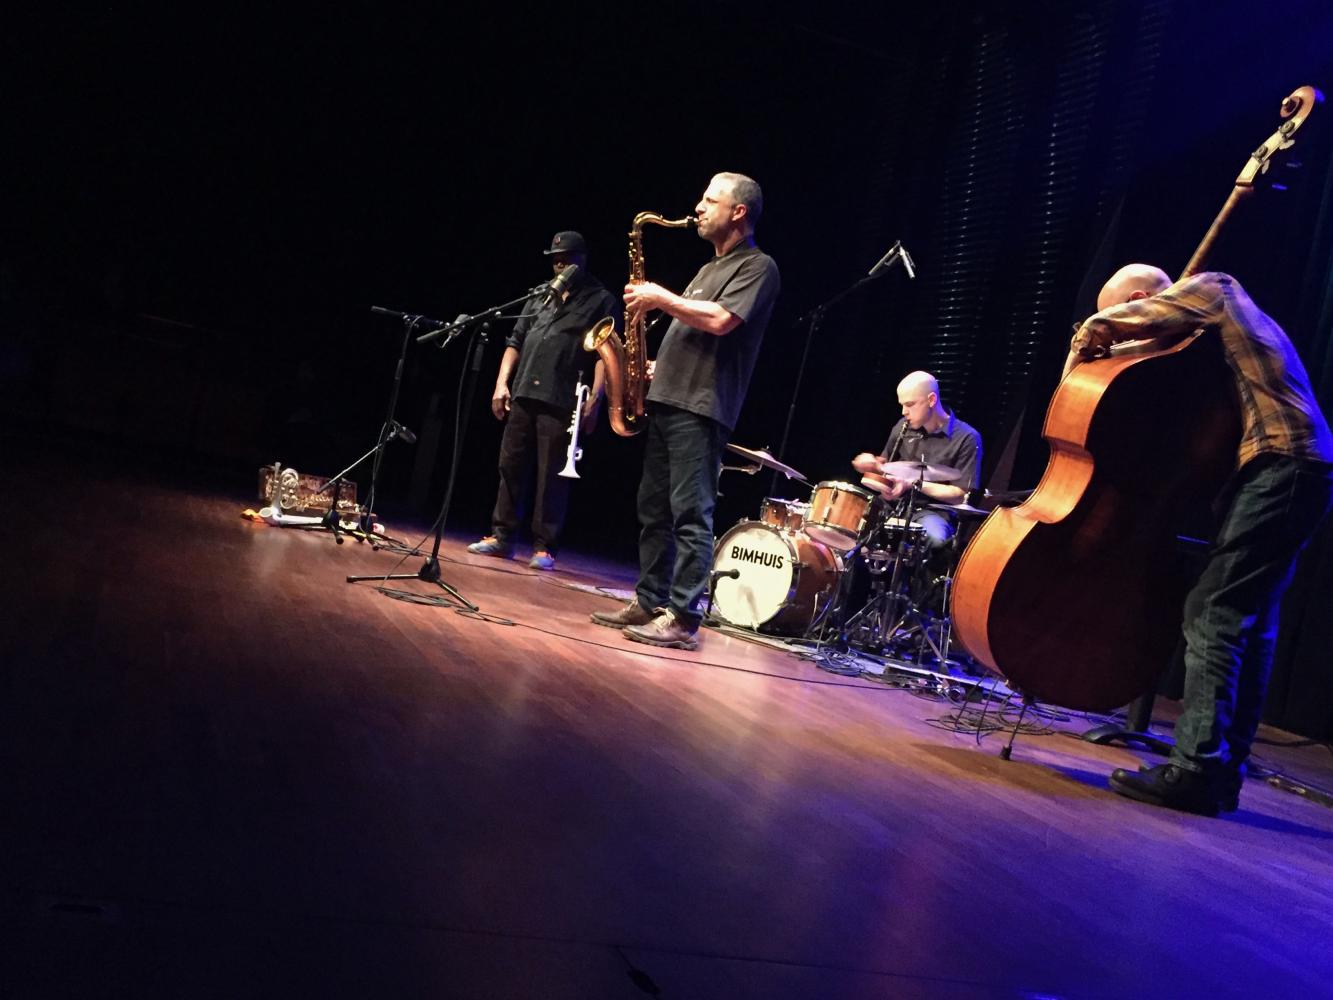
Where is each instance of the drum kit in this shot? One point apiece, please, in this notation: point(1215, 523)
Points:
point(797, 572)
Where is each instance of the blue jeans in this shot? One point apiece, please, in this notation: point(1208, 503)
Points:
point(1231, 614)
point(677, 494)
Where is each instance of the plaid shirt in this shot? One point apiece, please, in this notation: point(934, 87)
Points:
point(1278, 407)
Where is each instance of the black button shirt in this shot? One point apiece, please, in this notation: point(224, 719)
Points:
point(956, 444)
point(549, 340)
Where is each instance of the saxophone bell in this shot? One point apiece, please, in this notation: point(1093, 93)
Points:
point(625, 356)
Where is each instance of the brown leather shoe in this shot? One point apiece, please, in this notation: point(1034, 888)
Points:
point(632, 613)
point(664, 630)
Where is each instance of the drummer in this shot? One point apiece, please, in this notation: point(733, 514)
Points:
point(928, 433)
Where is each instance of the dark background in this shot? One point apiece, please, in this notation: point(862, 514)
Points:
point(200, 211)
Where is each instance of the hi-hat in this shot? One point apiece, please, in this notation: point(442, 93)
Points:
point(966, 509)
point(922, 470)
point(766, 460)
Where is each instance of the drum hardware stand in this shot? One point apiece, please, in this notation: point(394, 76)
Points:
point(886, 597)
point(828, 632)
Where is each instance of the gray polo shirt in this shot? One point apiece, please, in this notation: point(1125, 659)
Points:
point(706, 374)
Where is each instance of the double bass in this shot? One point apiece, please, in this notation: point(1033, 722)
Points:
point(1076, 596)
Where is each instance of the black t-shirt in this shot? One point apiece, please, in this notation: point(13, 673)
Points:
point(956, 444)
point(705, 374)
point(549, 339)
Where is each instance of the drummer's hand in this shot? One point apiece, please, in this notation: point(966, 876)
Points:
point(866, 462)
point(897, 487)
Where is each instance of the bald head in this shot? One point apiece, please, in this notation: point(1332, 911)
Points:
point(1133, 281)
point(918, 384)
point(919, 397)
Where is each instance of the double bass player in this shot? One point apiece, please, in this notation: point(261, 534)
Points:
point(1281, 490)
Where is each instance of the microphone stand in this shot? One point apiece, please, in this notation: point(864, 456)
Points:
point(430, 569)
point(813, 318)
point(390, 430)
point(451, 330)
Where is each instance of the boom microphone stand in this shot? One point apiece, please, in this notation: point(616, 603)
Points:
point(392, 428)
point(430, 569)
point(389, 431)
point(897, 253)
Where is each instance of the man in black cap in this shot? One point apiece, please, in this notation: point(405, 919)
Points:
point(545, 358)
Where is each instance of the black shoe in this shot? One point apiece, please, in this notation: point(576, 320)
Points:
point(1176, 788)
point(1229, 781)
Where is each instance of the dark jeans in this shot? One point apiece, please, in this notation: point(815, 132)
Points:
point(534, 430)
point(681, 462)
point(1231, 615)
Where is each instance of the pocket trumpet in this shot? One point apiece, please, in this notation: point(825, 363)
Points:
point(574, 452)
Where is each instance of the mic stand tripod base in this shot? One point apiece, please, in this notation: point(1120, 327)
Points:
point(1135, 730)
point(430, 573)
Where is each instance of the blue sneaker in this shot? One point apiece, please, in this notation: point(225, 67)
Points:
point(492, 546)
point(541, 559)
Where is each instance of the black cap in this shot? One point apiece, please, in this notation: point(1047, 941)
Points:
point(567, 241)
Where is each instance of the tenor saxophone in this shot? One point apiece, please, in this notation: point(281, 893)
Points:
point(626, 362)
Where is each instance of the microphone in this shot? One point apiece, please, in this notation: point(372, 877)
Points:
point(442, 329)
point(398, 430)
point(885, 262)
point(896, 253)
point(562, 281)
point(726, 574)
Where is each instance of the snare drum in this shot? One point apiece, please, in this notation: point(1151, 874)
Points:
point(784, 581)
point(895, 527)
point(839, 514)
point(785, 515)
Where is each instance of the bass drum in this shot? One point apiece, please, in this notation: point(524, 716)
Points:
point(784, 580)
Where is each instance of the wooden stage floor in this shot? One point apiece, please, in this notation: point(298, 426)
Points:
point(231, 774)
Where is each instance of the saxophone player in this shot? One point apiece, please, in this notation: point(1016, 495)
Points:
point(534, 390)
point(699, 381)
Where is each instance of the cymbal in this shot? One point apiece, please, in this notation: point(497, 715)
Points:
point(921, 470)
point(965, 509)
point(766, 460)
